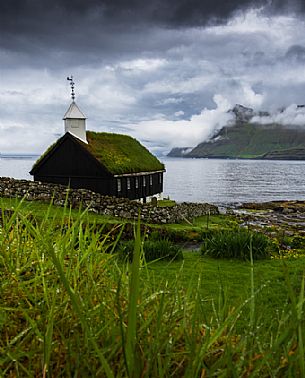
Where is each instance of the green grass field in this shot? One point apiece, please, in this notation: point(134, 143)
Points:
point(232, 278)
point(41, 210)
point(69, 307)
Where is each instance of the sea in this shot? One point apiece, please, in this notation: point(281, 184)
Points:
point(218, 181)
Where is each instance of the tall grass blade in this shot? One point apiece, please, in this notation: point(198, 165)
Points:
point(47, 347)
point(297, 316)
point(134, 286)
point(301, 355)
point(252, 302)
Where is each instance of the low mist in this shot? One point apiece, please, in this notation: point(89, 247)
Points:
point(162, 134)
point(293, 115)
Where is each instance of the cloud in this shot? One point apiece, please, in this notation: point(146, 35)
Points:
point(296, 53)
point(179, 113)
point(25, 138)
point(293, 115)
point(138, 65)
point(165, 134)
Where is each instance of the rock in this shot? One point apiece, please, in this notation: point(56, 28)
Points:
point(286, 210)
point(154, 202)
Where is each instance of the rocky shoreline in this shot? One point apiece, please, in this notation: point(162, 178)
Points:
point(287, 215)
point(284, 221)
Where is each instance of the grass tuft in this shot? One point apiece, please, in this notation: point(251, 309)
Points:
point(239, 244)
point(162, 249)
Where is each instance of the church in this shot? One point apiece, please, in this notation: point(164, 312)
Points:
point(106, 163)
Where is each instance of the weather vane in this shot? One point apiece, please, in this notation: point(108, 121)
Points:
point(72, 86)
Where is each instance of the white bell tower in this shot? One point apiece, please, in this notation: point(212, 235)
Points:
point(74, 119)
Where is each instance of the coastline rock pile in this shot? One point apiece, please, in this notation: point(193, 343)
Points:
point(118, 207)
point(286, 217)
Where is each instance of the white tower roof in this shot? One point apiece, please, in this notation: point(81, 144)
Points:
point(75, 122)
point(74, 112)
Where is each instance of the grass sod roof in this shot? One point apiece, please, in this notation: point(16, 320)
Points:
point(116, 152)
point(121, 153)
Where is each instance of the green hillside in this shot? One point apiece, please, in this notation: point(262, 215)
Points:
point(249, 140)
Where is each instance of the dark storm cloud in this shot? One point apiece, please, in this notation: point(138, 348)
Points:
point(52, 34)
point(25, 15)
point(33, 23)
point(296, 52)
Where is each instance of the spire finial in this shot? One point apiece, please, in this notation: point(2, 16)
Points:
point(72, 87)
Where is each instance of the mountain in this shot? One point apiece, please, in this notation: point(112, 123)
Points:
point(245, 139)
point(180, 151)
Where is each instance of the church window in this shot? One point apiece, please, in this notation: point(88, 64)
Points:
point(119, 185)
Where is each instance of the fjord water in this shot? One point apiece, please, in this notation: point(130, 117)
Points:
point(234, 181)
point(16, 167)
point(219, 181)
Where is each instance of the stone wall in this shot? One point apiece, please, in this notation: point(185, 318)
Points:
point(118, 207)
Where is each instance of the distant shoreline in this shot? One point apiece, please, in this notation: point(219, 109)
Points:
point(16, 156)
point(235, 158)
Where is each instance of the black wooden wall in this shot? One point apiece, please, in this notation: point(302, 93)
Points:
point(139, 186)
point(71, 165)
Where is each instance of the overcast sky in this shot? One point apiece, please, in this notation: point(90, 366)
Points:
point(163, 71)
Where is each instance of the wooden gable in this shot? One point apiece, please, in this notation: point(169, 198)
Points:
point(67, 157)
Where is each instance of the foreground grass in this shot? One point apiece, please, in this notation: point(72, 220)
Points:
point(68, 308)
point(184, 231)
point(231, 280)
point(40, 210)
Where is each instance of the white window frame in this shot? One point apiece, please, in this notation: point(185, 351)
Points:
point(128, 183)
point(137, 183)
point(119, 185)
point(150, 180)
point(160, 178)
point(144, 181)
